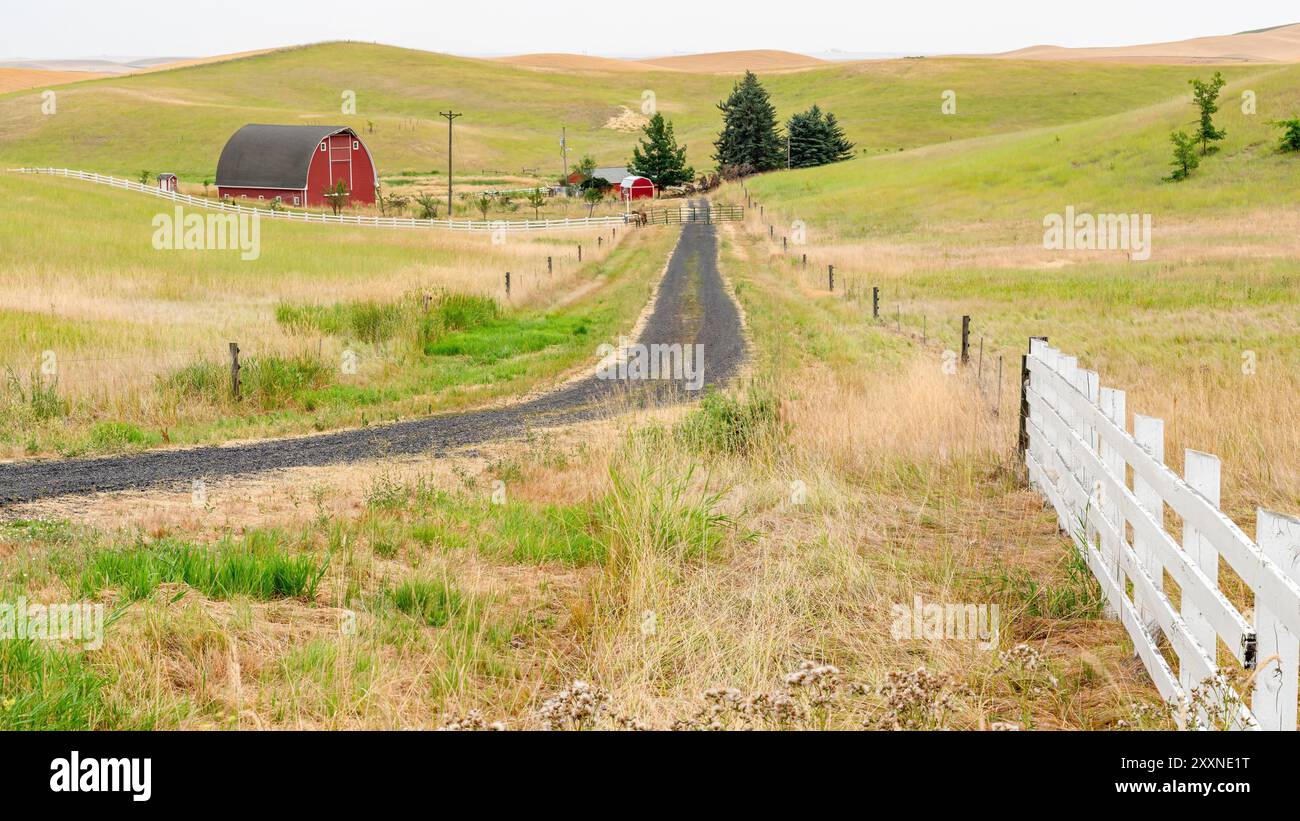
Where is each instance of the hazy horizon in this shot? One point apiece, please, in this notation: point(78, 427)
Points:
point(205, 28)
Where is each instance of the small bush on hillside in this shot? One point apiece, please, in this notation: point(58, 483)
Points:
point(1290, 134)
point(1185, 158)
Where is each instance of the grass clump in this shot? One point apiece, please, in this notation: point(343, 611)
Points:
point(110, 436)
point(430, 601)
point(47, 688)
point(257, 567)
point(724, 425)
point(266, 382)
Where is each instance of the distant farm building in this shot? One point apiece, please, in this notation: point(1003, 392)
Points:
point(297, 163)
point(167, 182)
point(633, 187)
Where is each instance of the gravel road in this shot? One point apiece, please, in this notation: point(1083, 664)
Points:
point(692, 307)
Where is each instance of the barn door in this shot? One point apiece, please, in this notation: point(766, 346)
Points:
point(340, 153)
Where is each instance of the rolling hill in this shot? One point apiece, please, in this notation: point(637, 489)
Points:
point(1280, 44)
point(178, 120)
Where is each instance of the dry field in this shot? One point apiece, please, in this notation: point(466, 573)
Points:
point(681, 562)
point(126, 327)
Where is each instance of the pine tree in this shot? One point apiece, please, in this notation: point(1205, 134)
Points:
point(749, 137)
point(1206, 97)
point(658, 156)
point(816, 138)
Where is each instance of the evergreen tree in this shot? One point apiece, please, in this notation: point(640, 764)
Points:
point(1206, 97)
point(658, 156)
point(815, 138)
point(749, 135)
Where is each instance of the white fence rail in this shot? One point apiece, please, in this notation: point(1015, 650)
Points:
point(1079, 451)
point(340, 219)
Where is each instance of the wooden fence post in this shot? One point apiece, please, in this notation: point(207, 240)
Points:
point(997, 409)
point(580, 253)
point(805, 260)
point(784, 246)
point(965, 340)
point(830, 277)
point(234, 370)
point(1023, 443)
point(549, 267)
point(875, 302)
point(507, 284)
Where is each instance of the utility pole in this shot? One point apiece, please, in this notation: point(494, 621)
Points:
point(450, 115)
point(564, 155)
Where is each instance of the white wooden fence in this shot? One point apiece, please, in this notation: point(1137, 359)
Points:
point(339, 219)
point(1079, 451)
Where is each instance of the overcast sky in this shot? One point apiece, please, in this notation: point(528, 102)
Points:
point(89, 28)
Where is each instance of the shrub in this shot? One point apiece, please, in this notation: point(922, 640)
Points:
point(1290, 134)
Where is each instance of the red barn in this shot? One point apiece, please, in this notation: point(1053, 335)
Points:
point(296, 163)
point(636, 188)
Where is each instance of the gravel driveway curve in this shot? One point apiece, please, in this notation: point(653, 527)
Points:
point(692, 307)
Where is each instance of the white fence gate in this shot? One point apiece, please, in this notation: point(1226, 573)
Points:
point(1079, 452)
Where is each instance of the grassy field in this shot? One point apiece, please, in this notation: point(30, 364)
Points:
point(135, 339)
point(657, 558)
point(178, 120)
point(958, 229)
point(683, 561)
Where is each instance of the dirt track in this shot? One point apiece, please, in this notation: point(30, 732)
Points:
point(692, 307)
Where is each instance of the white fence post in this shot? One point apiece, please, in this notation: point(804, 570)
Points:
point(1150, 436)
point(1201, 470)
point(1274, 699)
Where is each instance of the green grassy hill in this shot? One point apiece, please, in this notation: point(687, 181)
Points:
point(179, 120)
point(1109, 164)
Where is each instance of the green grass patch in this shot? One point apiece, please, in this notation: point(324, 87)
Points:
point(723, 424)
point(43, 687)
point(257, 566)
point(500, 339)
point(433, 602)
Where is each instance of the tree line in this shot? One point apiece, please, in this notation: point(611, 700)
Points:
point(751, 141)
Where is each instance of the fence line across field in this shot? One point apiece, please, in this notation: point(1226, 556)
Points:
point(1078, 450)
point(686, 213)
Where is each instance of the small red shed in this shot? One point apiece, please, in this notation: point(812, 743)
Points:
point(167, 182)
point(297, 163)
point(636, 188)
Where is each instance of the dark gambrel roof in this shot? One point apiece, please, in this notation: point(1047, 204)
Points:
point(271, 156)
